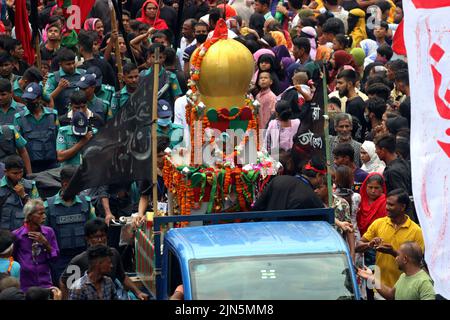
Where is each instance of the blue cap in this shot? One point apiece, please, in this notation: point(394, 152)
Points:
point(80, 123)
point(32, 91)
point(95, 71)
point(86, 81)
point(164, 109)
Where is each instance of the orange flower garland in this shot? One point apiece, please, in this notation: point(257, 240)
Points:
point(239, 188)
point(220, 114)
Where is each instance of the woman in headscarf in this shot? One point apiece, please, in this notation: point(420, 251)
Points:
point(311, 34)
point(95, 24)
point(373, 201)
point(339, 59)
point(369, 158)
point(256, 57)
point(359, 56)
point(370, 50)
point(150, 15)
point(357, 26)
point(280, 53)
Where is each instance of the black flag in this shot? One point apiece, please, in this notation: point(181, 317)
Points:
point(309, 141)
point(121, 151)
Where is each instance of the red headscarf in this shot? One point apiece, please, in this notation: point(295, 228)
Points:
point(369, 212)
point(157, 23)
point(343, 58)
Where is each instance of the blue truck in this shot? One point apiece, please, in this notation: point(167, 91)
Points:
point(292, 254)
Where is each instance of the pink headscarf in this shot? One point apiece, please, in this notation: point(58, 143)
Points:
point(256, 56)
point(311, 34)
point(260, 52)
point(44, 34)
point(89, 24)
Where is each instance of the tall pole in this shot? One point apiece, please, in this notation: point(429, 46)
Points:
point(154, 134)
point(116, 43)
point(327, 136)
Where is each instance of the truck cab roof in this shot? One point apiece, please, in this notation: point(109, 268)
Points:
point(255, 238)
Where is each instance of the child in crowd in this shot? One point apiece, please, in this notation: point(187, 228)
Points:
point(266, 98)
point(281, 131)
point(342, 42)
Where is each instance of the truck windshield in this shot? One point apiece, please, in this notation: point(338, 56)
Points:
point(274, 277)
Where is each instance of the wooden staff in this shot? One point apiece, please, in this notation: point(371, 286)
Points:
point(154, 134)
point(38, 52)
point(116, 43)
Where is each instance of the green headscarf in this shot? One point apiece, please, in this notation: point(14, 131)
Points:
point(359, 56)
point(70, 40)
point(305, 13)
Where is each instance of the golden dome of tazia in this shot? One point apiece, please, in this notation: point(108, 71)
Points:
point(225, 74)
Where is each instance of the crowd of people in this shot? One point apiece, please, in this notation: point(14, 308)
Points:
point(49, 113)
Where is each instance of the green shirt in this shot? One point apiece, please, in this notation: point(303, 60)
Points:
point(118, 101)
point(34, 191)
point(8, 116)
point(416, 287)
point(105, 93)
point(18, 92)
point(46, 112)
point(51, 83)
point(175, 90)
point(59, 200)
point(175, 134)
point(18, 139)
point(66, 140)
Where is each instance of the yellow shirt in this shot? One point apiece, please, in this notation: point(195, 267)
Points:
point(384, 229)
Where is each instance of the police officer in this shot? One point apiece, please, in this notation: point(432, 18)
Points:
point(169, 88)
point(88, 84)
point(12, 143)
point(131, 81)
point(8, 107)
point(30, 75)
point(104, 92)
point(72, 138)
point(62, 83)
point(39, 126)
point(166, 127)
point(78, 102)
point(15, 191)
point(67, 216)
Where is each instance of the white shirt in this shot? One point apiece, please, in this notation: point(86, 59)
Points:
point(183, 45)
point(180, 118)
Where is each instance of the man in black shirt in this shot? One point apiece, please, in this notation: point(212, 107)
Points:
point(195, 9)
point(288, 192)
point(346, 81)
point(168, 14)
point(86, 42)
point(397, 173)
point(96, 234)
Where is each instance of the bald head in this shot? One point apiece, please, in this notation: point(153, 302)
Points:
point(413, 251)
point(187, 29)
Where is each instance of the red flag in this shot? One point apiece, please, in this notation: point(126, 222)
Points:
point(84, 5)
point(23, 32)
point(398, 41)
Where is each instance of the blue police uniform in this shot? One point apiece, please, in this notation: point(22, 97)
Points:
point(11, 205)
point(40, 135)
point(63, 99)
point(68, 223)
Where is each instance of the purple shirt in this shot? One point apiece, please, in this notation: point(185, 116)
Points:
point(34, 271)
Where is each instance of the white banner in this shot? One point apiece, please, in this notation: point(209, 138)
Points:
point(427, 39)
